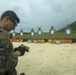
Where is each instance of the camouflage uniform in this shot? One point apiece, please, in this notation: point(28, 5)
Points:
point(8, 60)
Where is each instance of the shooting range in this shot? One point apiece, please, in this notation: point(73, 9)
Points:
point(37, 37)
point(20, 37)
point(68, 32)
point(51, 35)
point(40, 35)
point(21, 34)
point(32, 34)
point(39, 32)
point(68, 35)
point(52, 32)
point(58, 51)
point(14, 34)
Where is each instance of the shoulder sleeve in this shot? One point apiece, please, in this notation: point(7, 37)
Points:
point(7, 61)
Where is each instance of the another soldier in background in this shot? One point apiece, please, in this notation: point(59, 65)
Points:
point(8, 57)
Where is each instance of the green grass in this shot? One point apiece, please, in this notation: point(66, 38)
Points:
point(45, 35)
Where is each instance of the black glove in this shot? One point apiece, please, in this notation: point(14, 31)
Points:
point(22, 48)
point(22, 74)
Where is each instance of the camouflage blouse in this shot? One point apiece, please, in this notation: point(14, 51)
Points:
point(8, 60)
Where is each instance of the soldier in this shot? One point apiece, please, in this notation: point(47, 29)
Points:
point(8, 57)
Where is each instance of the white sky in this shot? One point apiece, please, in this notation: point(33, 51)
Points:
point(34, 13)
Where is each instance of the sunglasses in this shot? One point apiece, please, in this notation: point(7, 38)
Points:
point(15, 24)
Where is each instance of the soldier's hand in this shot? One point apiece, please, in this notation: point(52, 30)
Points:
point(22, 48)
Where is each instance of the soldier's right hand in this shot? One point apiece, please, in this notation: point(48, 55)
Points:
point(22, 49)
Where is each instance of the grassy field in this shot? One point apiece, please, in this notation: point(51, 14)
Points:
point(45, 35)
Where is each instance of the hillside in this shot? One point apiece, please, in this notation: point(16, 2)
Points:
point(72, 26)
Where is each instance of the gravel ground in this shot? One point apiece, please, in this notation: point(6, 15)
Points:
point(47, 59)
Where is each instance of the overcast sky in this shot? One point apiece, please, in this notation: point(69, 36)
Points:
point(45, 13)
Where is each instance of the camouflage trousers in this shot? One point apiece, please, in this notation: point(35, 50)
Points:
point(9, 73)
point(14, 72)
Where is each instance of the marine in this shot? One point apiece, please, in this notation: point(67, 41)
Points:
point(8, 54)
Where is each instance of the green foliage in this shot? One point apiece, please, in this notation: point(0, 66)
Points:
point(60, 34)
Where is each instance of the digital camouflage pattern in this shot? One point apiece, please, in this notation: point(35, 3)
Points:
point(8, 60)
